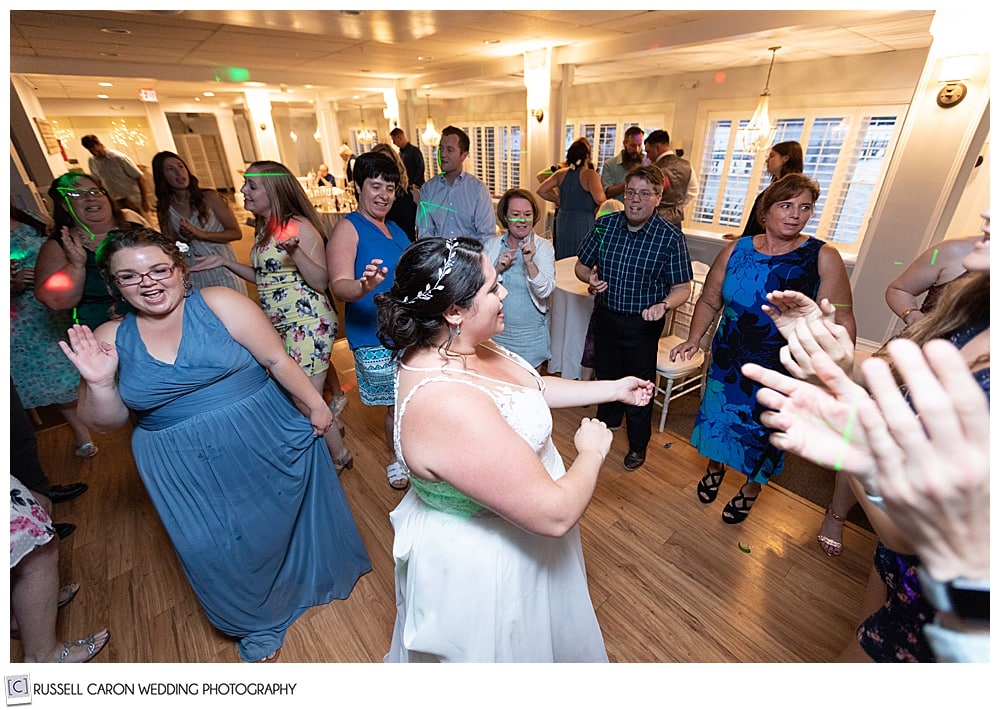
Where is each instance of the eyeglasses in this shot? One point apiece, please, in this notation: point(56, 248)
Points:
point(131, 279)
point(645, 194)
point(84, 194)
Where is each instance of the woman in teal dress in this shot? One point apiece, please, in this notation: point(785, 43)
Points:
point(226, 439)
point(40, 372)
point(289, 269)
point(727, 428)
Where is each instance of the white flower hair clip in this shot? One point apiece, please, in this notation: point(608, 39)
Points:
point(182, 247)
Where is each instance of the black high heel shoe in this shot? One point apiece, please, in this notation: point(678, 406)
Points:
point(708, 486)
point(737, 510)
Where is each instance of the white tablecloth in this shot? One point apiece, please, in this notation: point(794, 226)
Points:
point(569, 317)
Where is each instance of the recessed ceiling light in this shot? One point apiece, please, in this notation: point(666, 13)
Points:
point(115, 31)
point(197, 98)
point(424, 58)
point(491, 41)
point(104, 83)
point(103, 96)
point(208, 93)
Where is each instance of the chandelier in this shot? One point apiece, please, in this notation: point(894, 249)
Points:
point(364, 135)
point(430, 136)
point(758, 134)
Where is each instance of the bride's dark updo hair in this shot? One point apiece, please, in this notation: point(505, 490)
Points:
point(432, 275)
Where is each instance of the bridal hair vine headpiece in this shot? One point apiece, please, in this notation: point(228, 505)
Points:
point(428, 292)
point(182, 247)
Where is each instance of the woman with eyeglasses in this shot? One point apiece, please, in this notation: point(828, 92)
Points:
point(227, 440)
point(66, 273)
point(527, 264)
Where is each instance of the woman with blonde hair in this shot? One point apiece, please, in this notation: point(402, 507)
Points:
point(289, 269)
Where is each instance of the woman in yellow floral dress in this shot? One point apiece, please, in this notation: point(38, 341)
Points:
point(289, 270)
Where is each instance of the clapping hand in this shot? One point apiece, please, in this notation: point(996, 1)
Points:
point(820, 425)
point(73, 248)
point(933, 466)
point(97, 362)
point(809, 328)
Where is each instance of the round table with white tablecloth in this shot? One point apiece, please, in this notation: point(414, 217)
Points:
point(569, 316)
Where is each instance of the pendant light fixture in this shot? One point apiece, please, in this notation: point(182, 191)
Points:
point(430, 136)
point(759, 133)
point(364, 135)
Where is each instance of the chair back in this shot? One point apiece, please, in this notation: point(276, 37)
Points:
point(679, 322)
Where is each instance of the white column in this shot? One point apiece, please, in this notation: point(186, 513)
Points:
point(259, 105)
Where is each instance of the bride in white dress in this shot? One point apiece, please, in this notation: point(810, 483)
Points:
point(489, 565)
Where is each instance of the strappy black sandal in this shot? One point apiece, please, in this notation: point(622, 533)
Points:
point(708, 486)
point(737, 510)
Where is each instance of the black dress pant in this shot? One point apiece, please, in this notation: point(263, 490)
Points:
point(626, 345)
point(24, 463)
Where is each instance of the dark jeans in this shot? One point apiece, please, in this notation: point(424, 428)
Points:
point(626, 345)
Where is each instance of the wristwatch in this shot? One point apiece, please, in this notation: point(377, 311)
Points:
point(966, 598)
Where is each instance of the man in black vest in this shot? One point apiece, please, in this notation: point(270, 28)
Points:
point(680, 184)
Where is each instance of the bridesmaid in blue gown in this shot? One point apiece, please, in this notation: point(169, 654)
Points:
point(241, 478)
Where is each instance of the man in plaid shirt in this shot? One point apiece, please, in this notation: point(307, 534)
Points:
point(638, 266)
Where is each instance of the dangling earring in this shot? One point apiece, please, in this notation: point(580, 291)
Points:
point(458, 329)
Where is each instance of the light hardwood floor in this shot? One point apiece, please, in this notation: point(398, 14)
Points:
point(667, 577)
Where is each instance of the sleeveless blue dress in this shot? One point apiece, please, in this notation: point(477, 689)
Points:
point(727, 427)
point(575, 217)
point(249, 496)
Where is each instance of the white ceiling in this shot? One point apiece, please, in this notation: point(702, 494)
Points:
point(353, 56)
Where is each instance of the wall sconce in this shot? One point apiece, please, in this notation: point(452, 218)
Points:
point(954, 71)
point(538, 114)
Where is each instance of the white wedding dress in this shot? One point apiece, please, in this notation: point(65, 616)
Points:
point(471, 586)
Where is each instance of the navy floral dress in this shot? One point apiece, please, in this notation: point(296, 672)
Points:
point(727, 427)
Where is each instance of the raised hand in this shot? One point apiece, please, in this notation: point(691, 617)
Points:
point(373, 275)
point(933, 469)
point(97, 362)
point(788, 307)
point(820, 425)
point(75, 252)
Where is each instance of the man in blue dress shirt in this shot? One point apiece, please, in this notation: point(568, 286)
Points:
point(455, 203)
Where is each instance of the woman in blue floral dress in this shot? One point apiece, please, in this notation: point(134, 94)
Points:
point(289, 270)
point(41, 373)
point(727, 428)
